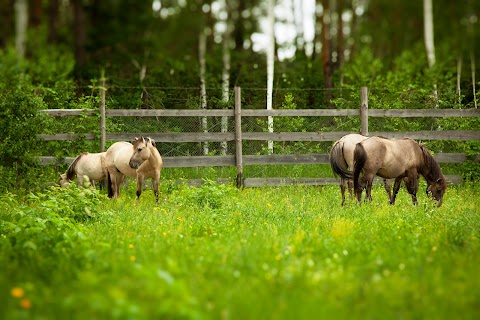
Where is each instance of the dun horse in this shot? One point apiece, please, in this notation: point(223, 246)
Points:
point(140, 160)
point(89, 165)
point(341, 161)
point(400, 159)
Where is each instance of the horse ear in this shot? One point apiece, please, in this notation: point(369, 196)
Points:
point(440, 180)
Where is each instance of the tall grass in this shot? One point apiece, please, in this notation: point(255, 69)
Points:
point(215, 252)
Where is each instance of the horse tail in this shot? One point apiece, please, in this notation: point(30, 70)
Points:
point(71, 169)
point(109, 185)
point(359, 160)
point(337, 161)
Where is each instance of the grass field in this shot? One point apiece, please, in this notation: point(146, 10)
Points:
point(215, 252)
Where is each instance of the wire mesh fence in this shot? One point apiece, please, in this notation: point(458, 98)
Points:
point(254, 98)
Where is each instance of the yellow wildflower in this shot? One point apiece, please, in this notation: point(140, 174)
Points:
point(17, 292)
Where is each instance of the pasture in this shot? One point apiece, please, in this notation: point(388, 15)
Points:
point(215, 252)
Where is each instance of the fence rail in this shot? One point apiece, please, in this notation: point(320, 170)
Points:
point(237, 135)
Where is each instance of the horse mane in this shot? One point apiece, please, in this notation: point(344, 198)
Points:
point(71, 169)
point(430, 165)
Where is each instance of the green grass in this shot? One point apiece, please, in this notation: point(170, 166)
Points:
point(216, 252)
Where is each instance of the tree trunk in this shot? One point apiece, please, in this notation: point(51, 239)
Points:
point(239, 29)
point(21, 25)
point(459, 76)
point(225, 74)
point(6, 16)
point(270, 65)
point(202, 48)
point(79, 26)
point(53, 21)
point(36, 13)
point(429, 43)
point(340, 41)
point(472, 66)
point(326, 51)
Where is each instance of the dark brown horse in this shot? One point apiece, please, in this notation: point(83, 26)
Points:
point(341, 162)
point(400, 159)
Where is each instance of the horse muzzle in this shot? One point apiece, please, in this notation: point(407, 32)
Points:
point(133, 164)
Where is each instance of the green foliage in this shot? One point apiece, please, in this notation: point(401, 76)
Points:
point(209, 194)
point(44, 231)
point(20, 120)
point(295, 250)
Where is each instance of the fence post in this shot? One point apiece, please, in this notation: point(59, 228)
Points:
point(103, 129)
point(364, 112)
point(238, 136)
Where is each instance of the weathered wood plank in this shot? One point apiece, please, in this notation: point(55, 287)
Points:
point(67, 136)
point(300, 112)
point(315, 158)
point(69, 112)
point(395, 113)
point(462, 135)
point(229, 160)
point(434, 113)
point(175, 136)
point(198, 161)
point(294, 136)
point(450, 157)
point(278, 182)
point(169, 113)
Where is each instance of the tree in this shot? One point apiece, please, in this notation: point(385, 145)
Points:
point(270, 64)
point(21, 24)
point(429, 43)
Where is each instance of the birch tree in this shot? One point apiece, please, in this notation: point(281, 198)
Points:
point(226, 61)
point(270, 65)
point(428, 34)
point(202, 48)
point(21, 24)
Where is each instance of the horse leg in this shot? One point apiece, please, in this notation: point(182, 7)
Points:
point(342, 189)
point(368, 192)
point(386, 184)
point(139, 185)
point(156, 182)
point(361, 186)
point(350, 187)
point(396, 188)
point(79, 180)
point(412, 187)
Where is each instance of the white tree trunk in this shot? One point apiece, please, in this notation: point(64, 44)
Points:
point(429, 43)
point(225, 75)
point(21, 24)
point(202, 48)
point(472, 66)
point(459, 77)
point(270, 65)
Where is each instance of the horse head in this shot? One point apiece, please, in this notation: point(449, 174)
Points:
point(141, 151)
point(437, 189)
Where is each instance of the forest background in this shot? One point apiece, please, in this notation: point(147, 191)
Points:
point(191, 53)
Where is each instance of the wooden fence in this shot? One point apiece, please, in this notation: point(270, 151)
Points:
point(239, 159)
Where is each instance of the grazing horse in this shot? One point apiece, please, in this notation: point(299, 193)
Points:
point(140, 160)
point(400, 159)
point(341, 161)
point(86, 165)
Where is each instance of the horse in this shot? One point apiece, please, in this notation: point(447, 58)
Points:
point(341, 161)
point(86, 166)
point(140, 160)
point(400, 159)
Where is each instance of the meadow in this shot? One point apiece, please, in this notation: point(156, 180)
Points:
point(215, 252)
